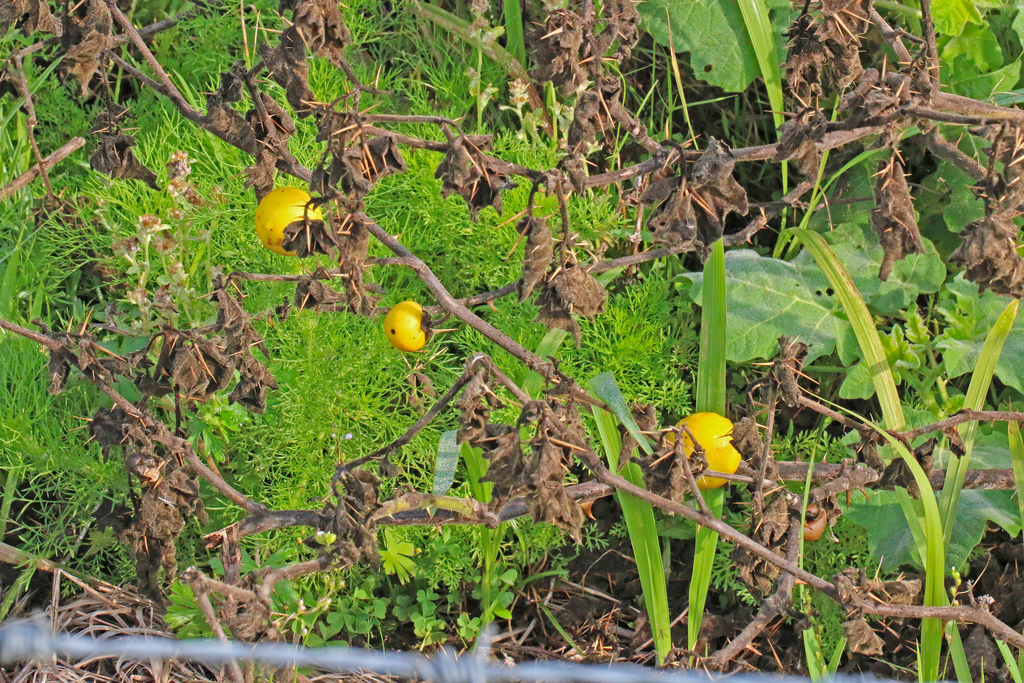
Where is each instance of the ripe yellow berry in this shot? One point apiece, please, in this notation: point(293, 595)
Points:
point(713, 432)
point(403, 326)
point(277, 211)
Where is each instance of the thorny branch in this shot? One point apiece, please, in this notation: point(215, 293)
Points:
point(468, 161)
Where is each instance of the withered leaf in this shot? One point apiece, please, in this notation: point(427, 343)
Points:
point(287, 66)
point(988, 251)
point(546, 466)
point(475, 404)
point(797, 140)
point(770, 528)
point(363, 164)
point(39, 17)
point(862, 638)
point(693, 207)
point(571, 291)
point(468, 172)
point(358, 493)
point(109, 427)
point(893, 217)
point(115, 157)
point(196, 366)
point(158, 521)
point(540, 248)
point(308, 237)
point(507, 464)
point(556, 50)
point(270, 142)
point(254, 381)
point(318, 25)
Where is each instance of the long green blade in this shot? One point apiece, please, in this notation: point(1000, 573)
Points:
point(643, 535)
point(514, 30)
point(710, 399)
point(934, 561)
point(981, 380)
point(863, 326)
point(1017, 461)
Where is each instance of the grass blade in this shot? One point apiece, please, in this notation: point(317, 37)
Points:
point(1017, 461)
point(981, 379)
point(514, 30)
point(710, 398)
point(605, 388)
point(863, 326)
point(643, 532)
point(934, 561)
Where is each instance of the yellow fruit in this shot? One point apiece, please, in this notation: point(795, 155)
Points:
point(277, 211)
point(403, 326)
point(714, 433)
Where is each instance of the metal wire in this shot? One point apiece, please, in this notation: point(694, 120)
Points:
point(28, 639)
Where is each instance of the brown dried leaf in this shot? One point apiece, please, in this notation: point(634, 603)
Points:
point(114, 156)
point(571, 291)
point(317, 24)
point(893, 217)
point(270, 145)
point(468, 172)
point(556, 48)
point(769, 528)
point(159, 519)
point(798, 138)
point(364, 163)
point(287, 66)
point(475, 404)
point(254, 381)
point(39, 17)
point(507, 465)
point(358, 494)
point(862, 638)
point(988, 251)
point(693, 207)
point(540, 248)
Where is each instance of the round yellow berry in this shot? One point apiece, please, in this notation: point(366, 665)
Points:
point(403, 326)
point(277, 211)
point(714, 433)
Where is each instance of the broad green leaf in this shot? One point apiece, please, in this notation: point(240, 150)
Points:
point(964, 79)
point(446, 463)
point(950, 16)
point(978, 45)
point(769, 297)
point(890, 539)
point(969, 316)
point(714, 34)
